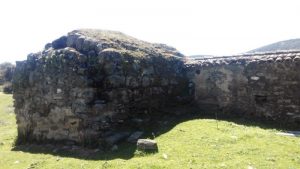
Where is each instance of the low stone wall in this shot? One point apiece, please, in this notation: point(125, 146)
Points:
point(261, 85)
point(83, 88)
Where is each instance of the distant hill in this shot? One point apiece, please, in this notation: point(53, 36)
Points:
point(292, 44)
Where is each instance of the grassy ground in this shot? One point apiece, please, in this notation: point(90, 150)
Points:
point(199, 143)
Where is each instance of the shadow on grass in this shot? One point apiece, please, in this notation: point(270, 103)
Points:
point(125, 151)
point(159, 126)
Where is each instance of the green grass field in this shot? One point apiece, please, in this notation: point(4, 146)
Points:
point(199, 143)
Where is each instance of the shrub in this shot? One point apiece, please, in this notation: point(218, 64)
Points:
point(7, 88)
point(6, 72)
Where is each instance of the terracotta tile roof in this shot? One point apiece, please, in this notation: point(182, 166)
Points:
point(267, 57)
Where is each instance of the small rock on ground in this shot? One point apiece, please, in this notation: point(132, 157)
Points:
point(146, 144)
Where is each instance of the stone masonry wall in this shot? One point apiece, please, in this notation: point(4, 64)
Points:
point(89, 85)
point(262, 85)
point(95, 87)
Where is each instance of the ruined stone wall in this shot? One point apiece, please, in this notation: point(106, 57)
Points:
point(90, 85)
point(83, 88)
point(258, 85)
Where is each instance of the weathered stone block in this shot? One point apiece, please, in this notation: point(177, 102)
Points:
point(146, 144)
point(72, 122)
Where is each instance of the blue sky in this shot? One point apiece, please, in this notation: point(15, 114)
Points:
point(192, 26)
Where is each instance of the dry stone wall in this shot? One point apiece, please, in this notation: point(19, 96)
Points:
point(96, 88)
point(262, 85)
point(89, 85)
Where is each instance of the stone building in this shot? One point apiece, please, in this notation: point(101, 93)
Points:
point(89, 85)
